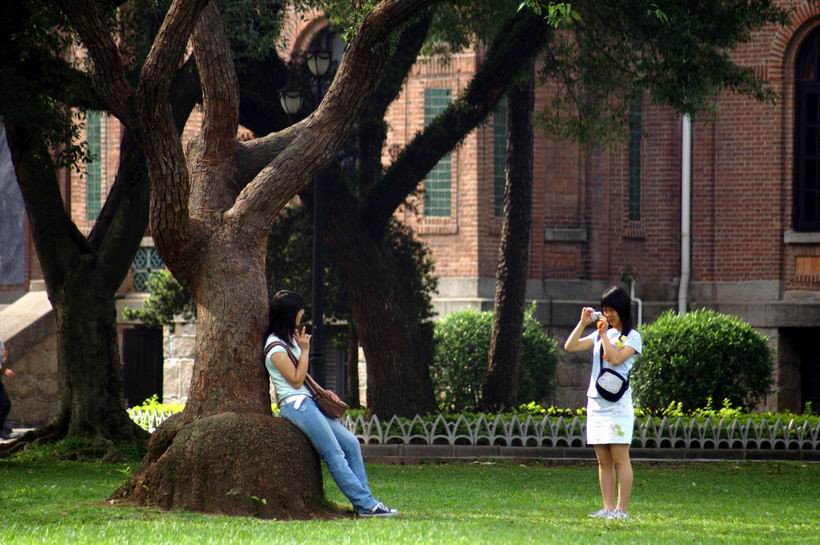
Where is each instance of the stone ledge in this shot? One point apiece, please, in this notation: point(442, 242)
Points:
point(565, 235)
point(796, 237)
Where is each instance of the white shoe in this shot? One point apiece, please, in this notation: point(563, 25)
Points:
point(601, 514)
point(617, 514)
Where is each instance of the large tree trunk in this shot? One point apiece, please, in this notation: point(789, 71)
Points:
point(501, 388)
point(81, 277)
point(397, 347)
point(226, 453)
point(91, 386)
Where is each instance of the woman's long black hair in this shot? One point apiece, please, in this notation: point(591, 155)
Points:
point(284, 307)
point(617, 299)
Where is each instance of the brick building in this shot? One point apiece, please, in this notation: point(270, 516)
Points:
point(604, 216)
point(601, 215)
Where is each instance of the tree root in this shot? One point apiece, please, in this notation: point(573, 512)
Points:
point(231, 463)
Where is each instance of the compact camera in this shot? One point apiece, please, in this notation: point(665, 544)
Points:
point(596, 315)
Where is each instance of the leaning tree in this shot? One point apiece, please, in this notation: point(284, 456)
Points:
point(210, 215)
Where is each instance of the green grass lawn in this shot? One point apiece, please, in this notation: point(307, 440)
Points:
point(715, 503)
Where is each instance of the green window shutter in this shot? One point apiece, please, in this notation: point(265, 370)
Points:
point(93, 167)
point(635, 130)
point(438, 183)
point(499, 153)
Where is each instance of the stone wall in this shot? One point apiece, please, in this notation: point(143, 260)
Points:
point(179, 352)
point(34, 389)
point(29, 330)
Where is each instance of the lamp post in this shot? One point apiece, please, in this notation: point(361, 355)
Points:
point(318, 62)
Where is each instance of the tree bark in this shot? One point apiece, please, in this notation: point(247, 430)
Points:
point(501, 387)
point(395, 345)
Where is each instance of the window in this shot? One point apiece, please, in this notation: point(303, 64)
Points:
point(807, 136)
point(146, 263)
point(93, 170)
point(499, 153)
point(635, 130)
point(437, 185)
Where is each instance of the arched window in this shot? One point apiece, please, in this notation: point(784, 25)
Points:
point(807, 136)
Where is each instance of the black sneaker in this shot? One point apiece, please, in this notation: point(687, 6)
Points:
point(380, 510)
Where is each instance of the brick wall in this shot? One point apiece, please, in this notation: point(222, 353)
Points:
point(741, 187)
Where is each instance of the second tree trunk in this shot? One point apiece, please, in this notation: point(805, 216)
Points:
point(501, 388)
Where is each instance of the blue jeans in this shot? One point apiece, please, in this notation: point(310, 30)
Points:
point(337, 447)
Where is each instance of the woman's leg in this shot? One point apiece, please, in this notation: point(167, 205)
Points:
point(317, 428)
point(606, 475)
point(352, 450)
point(623, 467)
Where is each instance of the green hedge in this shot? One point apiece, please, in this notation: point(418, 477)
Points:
point(700, 356)
point(462, 343)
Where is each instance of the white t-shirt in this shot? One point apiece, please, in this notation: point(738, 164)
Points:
point(633, 339)
point(281, 386)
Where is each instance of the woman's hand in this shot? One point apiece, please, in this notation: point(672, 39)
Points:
point(302, 339)
point(602, 326)
point(586, 316)
point(8, 372)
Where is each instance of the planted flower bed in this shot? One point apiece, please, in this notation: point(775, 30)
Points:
point(535, 426)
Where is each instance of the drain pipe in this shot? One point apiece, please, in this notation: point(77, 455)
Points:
point(685, 211)
point(636, 300)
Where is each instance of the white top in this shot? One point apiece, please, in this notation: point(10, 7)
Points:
point(633, 339)
point(281, 386)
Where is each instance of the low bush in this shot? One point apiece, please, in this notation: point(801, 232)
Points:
point(462, 344)
point(700, 356)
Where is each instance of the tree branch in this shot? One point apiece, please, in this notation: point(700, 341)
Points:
point(124, 217)
point(371, 128)
point(520, 39)
point(174, 232)
point(326, 129)
point(107, 75)
point(57, 240)
point(220, 88)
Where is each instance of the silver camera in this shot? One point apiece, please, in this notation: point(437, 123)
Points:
point(596, 315)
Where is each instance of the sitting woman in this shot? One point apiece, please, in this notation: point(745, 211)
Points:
point(335, 444)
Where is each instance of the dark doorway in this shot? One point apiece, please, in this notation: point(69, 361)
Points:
point(141, 363)
point(801, 347)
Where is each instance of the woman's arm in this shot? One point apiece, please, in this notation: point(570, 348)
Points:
point(574, 342)
point(612, 354)
point(294, 374)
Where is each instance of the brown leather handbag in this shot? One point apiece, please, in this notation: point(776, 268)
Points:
point(327, 400)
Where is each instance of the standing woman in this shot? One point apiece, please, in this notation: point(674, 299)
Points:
point(335, 444)
point(609, 423)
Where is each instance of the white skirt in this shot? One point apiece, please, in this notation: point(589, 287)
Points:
point(610, 423)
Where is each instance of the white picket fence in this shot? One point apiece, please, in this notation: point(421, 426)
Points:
point(547, 431)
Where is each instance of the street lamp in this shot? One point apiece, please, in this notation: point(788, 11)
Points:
point(290, 97)
point(318, 62)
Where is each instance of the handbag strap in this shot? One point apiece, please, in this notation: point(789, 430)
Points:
point(309, 382)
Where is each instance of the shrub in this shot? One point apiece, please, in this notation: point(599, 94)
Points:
point(700, 356)
point(462, 344)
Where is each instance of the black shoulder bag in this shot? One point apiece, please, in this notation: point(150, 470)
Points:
point(611, 385)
